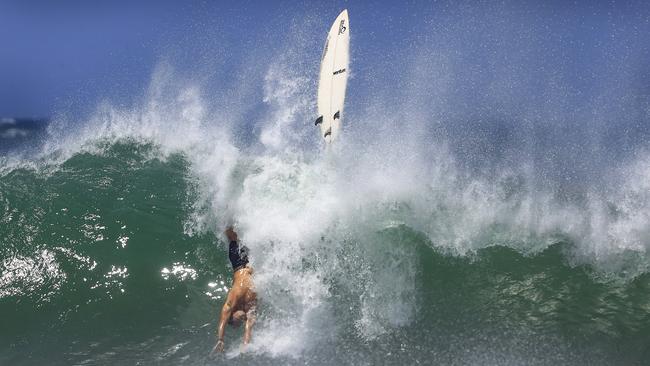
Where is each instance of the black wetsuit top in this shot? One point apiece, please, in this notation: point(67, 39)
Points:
point(238, 256)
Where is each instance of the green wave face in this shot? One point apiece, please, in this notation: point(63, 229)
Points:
point(99, 264)
point(94, 255)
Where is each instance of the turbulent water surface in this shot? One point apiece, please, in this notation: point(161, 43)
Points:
point(507, 227)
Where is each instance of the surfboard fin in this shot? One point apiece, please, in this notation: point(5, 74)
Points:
point(328, 132)
point(319, 120)
point(337, 115)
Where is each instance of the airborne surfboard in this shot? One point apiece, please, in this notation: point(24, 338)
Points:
point(333, 78)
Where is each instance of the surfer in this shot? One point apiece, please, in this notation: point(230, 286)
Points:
point(242, 300)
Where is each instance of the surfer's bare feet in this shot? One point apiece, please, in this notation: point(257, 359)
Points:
point(231, 234)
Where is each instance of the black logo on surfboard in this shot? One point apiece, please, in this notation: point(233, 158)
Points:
point(342, 27)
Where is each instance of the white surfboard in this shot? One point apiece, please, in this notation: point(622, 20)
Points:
point(333, 78)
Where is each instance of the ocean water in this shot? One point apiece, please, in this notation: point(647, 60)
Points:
point(112, 253)
point(444, 227)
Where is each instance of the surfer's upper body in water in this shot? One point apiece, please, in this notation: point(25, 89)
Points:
point(242, 300)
